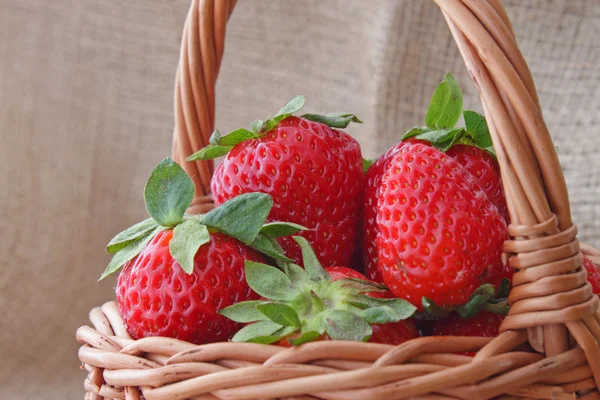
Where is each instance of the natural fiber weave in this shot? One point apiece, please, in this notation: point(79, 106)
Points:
point(553, 310)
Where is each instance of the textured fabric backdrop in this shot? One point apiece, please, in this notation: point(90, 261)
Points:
point(86, 112)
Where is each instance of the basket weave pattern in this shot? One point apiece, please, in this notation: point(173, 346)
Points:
point(553, 310)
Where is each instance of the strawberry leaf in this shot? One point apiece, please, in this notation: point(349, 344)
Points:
point(312, 266)
point(278, 229)
point(306, 337)
point(432, 310)
point(270, 247)
point(335, 120)
point(477, 128)
point(297, 276)
point(379, 315)
point(478, 299)
point(344, 325)
point(187, 239)
point(209, 152)
point(215, 138)
point(402, 308)
point(290, 108)
point(245, 311)
point(168, 193)
point(256, 330)
point(241, 217)
point(237, 136)
point(131, 234)
point(367, 164)
point(446, 105)
point(268, 281)
point(128, 252)
point(275, 337)
point(415, 132)
point(280, 314)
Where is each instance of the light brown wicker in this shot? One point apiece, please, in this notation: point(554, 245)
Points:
point(552, 306)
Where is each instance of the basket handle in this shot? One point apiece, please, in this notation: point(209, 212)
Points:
point(200, 58)
point(550, 296)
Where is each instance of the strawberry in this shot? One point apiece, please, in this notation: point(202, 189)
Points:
point(593, 274)
point(157, 297)
point(179, 270)
point(312, 171)
point(483, 324)
point(431, 213)
point(302, 305)
point(469, 146)
point(484, 167)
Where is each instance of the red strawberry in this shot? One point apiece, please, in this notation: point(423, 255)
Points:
point(157, 298)
point(483, 324)
point(369, 213)
point(593, 274)
point(176, 273)
point(301, 305)
point(313, 173)
point(484, 167)
point(430, 218)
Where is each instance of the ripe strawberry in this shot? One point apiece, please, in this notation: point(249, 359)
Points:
point(483, 324)
point(484, 167)
point(157, 297)
point(430, 218)
point(312, 171)
point(302, 305)
point(593, 274)
point(176, 274)
point(369, 213)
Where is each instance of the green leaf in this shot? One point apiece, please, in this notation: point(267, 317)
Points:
point(241, 217)
point(367, 164)
point(402, 308)
point(275, 337)
point(477, 128)
point(168, 193)
point(209, 152)
point(306, 337)
point(344, 325)
point(128, 252)
point(280, 314)
point(503, 289)
point(215, 138)
point(258, 126)
point(446, 105)
point(477, 300)
point(432, 310)
point(500, 307)
point(278, 229)
point(353, 286)
point(379, 315)
point(336, 120)
point(244, 311)
point(237, 136)
point(290, 108)
point(187, 239)
point(442, 139)
point(270, 247)
point(297, 276)
point(131, 234)
point(414, 132)
point(268, 281)
point(256, 330)
point(312, 266)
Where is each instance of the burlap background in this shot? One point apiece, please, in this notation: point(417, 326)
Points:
point(86, 111)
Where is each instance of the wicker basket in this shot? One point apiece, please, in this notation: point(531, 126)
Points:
point(552, 306)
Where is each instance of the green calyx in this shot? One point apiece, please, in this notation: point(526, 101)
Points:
point(485, 297)
point(444, 112)
point(221, 145)
point(168, 194)
point(305, 303)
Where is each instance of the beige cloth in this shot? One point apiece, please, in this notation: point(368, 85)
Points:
point(86, 112)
